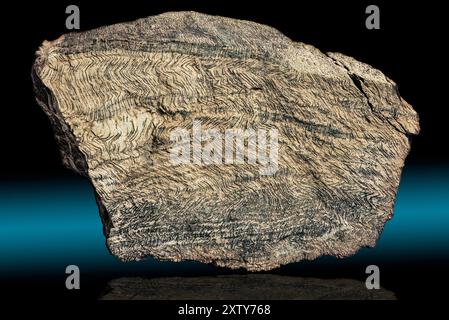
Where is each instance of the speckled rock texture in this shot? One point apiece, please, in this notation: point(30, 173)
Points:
point(114, 95)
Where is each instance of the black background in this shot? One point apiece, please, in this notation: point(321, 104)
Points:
point(409, 48)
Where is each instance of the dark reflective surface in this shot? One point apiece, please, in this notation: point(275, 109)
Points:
point(241, 287)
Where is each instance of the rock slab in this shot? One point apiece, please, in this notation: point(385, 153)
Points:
point(115, 94)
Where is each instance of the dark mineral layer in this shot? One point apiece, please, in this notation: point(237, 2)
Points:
point(114, 96)
point(242, 287)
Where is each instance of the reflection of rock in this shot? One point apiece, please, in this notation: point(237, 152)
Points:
point(115, 96)
point(241, 287)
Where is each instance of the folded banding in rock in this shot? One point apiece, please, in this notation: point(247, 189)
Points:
point(115, 94)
